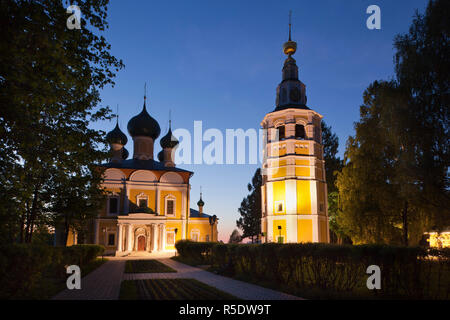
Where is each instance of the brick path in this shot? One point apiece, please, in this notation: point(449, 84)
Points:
point(104, 282)
point(101, 284)
point(239, 289)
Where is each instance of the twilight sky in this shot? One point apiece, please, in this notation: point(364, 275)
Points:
point(219, 62)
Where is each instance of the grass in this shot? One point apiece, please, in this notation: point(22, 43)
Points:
point(185, 261)
point(146, 266)
point(360, 292)
point(51, 285)
point(170, 289)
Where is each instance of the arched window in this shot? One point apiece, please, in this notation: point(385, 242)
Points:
point(142, 200)
point(113, 204)
point(169, 207)
point(300, 131)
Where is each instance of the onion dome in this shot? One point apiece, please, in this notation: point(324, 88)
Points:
point(117, 136)
point(144, 125)
point(161, 156)
point(169, 140)
point(125, 153)
point(200, 202)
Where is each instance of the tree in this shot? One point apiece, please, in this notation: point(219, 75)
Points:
point(367, 199)
point(50, 79)
point(333, 165)
point(235, 237)
point(394, 185)
point(423, 73)
point(250, 210)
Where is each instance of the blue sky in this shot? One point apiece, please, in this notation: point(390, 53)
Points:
point(220, 62)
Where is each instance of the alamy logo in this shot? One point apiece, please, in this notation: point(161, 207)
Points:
point(374, 280)
point(74, 280)
point(74, 20)
point(374, 21)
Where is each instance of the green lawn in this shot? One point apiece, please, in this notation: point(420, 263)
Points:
point(170, 289)
point(51, 285)
point(144, 266)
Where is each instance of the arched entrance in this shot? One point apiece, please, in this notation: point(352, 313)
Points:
point(141, 243)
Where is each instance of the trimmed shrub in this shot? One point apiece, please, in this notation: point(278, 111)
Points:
point(195, 252)
point(24, 266)
point(411, 272)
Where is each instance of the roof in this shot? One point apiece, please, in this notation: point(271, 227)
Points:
point(291, 106)
point(195, 214)
point(141, 165)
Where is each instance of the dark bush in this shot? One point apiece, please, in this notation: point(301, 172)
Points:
point(405, 271)
point(195, 252)
point(24, 266)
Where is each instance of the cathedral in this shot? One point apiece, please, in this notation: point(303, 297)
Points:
point(148, 202)
point(294, 189)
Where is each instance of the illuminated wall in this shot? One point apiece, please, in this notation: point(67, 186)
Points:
point(294, 191)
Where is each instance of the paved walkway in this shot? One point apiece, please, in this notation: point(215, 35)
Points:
point(104, 282)
point(239, 289)
point(101, 284)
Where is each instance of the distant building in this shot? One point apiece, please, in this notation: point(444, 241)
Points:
point(439, 239)
point(294, 190)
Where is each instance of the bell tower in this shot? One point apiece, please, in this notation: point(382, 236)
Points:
point(294, 190)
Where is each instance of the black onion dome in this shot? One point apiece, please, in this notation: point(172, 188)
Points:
point(125, 153)
point(144, 125)
point(161, 156)
point(117, 136)
point(169, 140)
point(200, 202)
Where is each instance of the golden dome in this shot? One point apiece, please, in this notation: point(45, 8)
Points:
point(289, 47)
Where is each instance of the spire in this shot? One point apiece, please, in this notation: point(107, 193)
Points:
point(290, 14)
point(200, 202)
point(170, 120)
point(117, 116)
point(145, 95)
point(290, 46)
point(291, 92)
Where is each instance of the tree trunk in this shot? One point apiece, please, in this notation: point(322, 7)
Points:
point(22, 226)
point(405, 223)
point(31, 217)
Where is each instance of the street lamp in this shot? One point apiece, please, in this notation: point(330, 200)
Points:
point(175, 240)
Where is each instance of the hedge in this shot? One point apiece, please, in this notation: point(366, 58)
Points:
point(410, 272)
point(23, 266)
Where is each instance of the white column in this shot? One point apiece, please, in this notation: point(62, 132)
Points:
point(313, 195)
point(163, 239)
point(126, 201)
point(183, 204)
point(159, 237)
point(158, 201)
point(119, 240)
point(130, 238)
point(315, 228)
point(149, 238)
point(155, 236)
point(269, 187)
point(270, 229)
point(183, 230)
